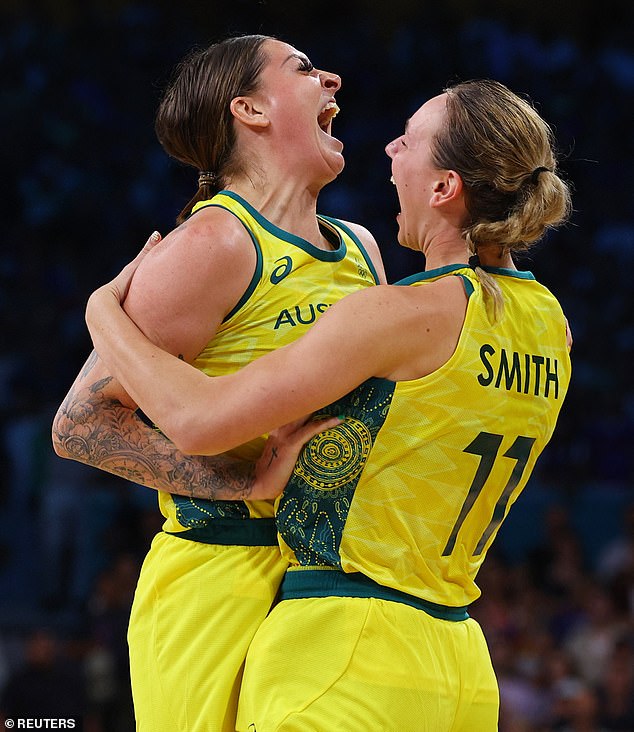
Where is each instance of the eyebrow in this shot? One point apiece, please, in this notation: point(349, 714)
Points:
point(298, 56)
point(407, 123)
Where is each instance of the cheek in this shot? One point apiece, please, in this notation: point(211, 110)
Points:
point(290, 105)
point(407, 188)
point(404, 166)
point(297, 119)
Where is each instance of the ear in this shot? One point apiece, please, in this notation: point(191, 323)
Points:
point(447, 188)
point(247, 111)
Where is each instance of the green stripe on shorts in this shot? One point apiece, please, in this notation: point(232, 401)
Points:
point(304, 583)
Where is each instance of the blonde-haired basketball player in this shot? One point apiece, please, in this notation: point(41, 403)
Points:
point(250, 268)
point(448, 387)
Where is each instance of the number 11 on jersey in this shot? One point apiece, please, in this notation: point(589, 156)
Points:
point(487, 446)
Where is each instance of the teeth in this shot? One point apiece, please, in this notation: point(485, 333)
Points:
point(392, 181)
point(327, 114)
point(332, 105)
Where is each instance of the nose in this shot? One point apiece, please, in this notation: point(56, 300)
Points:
point(390, 148)
point(330, 81)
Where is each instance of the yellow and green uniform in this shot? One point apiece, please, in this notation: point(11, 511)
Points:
point(211, 575)
point(293, 284)
point(387, 519)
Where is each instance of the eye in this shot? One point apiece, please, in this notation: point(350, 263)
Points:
point(305, 66)
point(403, 143)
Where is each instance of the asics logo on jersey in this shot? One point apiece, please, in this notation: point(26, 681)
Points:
point(282, 270)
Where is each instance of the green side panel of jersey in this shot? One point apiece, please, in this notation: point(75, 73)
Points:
point(314, 506)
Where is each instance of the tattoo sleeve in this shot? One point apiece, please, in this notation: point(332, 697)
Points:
point(97, 430)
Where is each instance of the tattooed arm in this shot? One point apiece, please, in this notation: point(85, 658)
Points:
point(95, 427)
point(178, 297)
point(98, 425)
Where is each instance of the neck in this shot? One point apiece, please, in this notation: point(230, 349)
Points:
point(290, 206)
point(441, 253)
point(492, 257)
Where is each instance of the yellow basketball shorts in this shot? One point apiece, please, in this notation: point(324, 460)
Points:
point(195, 611)
point(362, 664)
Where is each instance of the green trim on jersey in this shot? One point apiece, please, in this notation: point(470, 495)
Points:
point(304, 583)
point(447, 269)
point(258, 264)
point(232, 532)
point(505, 272)
point(442, 460)
point(468, 285)
point(335, 255)
point(356, 240)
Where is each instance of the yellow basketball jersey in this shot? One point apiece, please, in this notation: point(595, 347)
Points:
point(411, 489)
point(293, 284)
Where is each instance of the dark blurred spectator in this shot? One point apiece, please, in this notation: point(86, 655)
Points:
point(592, 641)
point(617, 558)
point(108, 689)
point(616, 688)
point(557, 564)
point(581, 711)
point(48, 685)
point(69, 533)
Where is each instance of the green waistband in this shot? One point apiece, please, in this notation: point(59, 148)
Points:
point(303, 583)
point(232, 532)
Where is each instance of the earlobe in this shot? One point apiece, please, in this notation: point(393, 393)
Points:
point(245, 110)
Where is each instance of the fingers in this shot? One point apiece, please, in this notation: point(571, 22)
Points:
point(308, 431)
point(281, 451)
point(120, 284)
point(568, 335)
point(153, 240)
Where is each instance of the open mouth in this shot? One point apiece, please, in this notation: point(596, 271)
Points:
point(326, 116)
point(393, 182)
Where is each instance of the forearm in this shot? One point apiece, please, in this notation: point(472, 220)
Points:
point(94, 429)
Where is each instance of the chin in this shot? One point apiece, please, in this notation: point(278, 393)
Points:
point(406, 243)
point(341, 164)
point(335, 168)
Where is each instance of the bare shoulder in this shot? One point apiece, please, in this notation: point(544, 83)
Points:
point(401, 301)
point(371, 246)
point(434, 307)
point(190, 280)
point(372, 311)
point(439, 295)
point(416, 328)
point(360, 231)
point(430, 323)
point(210, 236)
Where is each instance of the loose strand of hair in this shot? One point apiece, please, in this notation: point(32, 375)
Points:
point(205, 192)
point(494, 299)
point(493, 294)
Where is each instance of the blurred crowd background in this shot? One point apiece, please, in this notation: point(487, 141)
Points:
point(85, 182)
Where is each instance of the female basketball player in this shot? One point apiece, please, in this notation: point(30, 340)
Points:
point(448, 387)
point(250, 269)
